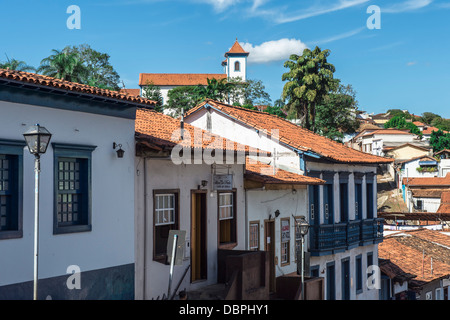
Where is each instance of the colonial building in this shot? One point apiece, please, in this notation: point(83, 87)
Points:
point(344, 230)
point(86, 221)
point(234, 66)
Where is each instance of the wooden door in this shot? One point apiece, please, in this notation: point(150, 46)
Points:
point(198, 236)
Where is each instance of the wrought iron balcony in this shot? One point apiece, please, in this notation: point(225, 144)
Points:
point(338, 237)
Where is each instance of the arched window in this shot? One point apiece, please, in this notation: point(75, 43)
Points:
point(237, 66)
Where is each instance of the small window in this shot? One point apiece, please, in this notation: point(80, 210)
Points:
point(72, 172)
point(227, 217)
point(237, 66)
point(165, 218)
point(419, 204)
point(11, 163)
point(254, 235)
point(359, 278)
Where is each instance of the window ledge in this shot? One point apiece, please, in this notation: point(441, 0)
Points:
point(228, 246)
point(72, 229)
point(11, 234)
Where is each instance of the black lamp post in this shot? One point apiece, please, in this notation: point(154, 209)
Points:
point(303, 228)
point(37, 139)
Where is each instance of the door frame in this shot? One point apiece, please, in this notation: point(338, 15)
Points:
point(271, 223)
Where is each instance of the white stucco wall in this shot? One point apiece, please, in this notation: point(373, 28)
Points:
point(236, 131)
point(290, 204)
point(163, 174)
point(111, 241)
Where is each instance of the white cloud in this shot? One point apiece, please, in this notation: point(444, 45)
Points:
point(412, 63)
point(276, 50)
point(340, 36)
point(221, 5)
point(279, 14)
point(408, 5)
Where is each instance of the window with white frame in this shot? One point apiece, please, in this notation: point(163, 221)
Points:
point(227, 217)
point(254, 235)
point(165, 218)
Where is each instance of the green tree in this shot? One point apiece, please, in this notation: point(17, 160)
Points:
point(182, 98)
point(275, 111)
point(100, 73)
point(399, 122)
point(337, 114)
point(250, 92)
point(441, 123)
point(428, 117)
point(152, 92)
point(309, 80)
point(17, 65)
point(64, 65)
point(439, 140)
point(215, 89)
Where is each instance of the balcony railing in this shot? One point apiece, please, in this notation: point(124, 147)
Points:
point(338, 237)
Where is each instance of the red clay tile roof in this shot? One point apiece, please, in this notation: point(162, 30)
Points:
point(427, 193)
point(445, 203)
point(133, 92)
point(264, 173)
point(178, 79)
point(417, 158)
point(294, 135)
point(426, 182)
point(236, 48)
point(429, 130)
point(406, 249)
point(41, 80)
point(386, 131)
point(156, 131)
point(419, 124)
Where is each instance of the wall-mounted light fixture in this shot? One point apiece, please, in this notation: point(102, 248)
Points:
point(204, 183)
point(277, 213)
point(120, 151)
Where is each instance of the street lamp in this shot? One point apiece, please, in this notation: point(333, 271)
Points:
point(303, 227)
point(37, 139)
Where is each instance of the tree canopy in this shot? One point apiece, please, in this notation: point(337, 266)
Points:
point(439, 140)
point(336, 115)
point(399, 122)
point(81, 64)
point(309, 80)
point(18, 65)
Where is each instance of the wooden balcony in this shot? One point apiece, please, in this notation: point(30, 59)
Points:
point(333, 238)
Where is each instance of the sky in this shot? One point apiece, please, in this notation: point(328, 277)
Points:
point(395, 54)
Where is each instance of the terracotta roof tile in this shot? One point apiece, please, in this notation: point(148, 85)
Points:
point(264, 173)
point(236, 48)
point(132, 92)
point(156, 131)
point(426, 182)
point(417, 158)
point(178, 79)
point(294, 135)
point(41, 80)
point(429, 130)
point(406, 249)
point(444, 207)
point(427, 193)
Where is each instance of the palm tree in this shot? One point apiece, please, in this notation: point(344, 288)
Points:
point(63, 65)
point(17, 65)
point(215, 89)
point(310, 79)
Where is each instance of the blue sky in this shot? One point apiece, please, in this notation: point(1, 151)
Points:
point(404, 64)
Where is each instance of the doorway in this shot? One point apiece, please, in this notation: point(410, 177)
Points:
point(269, 246)
point(198, 235)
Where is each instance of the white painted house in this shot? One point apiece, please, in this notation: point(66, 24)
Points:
point(180, 194)
point(344, 230)
point(86, 203)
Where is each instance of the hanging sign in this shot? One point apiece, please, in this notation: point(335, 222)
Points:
point(222, 181)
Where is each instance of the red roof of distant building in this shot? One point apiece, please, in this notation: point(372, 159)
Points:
point(432, 181)
point(178, 79)
point(133, 92)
